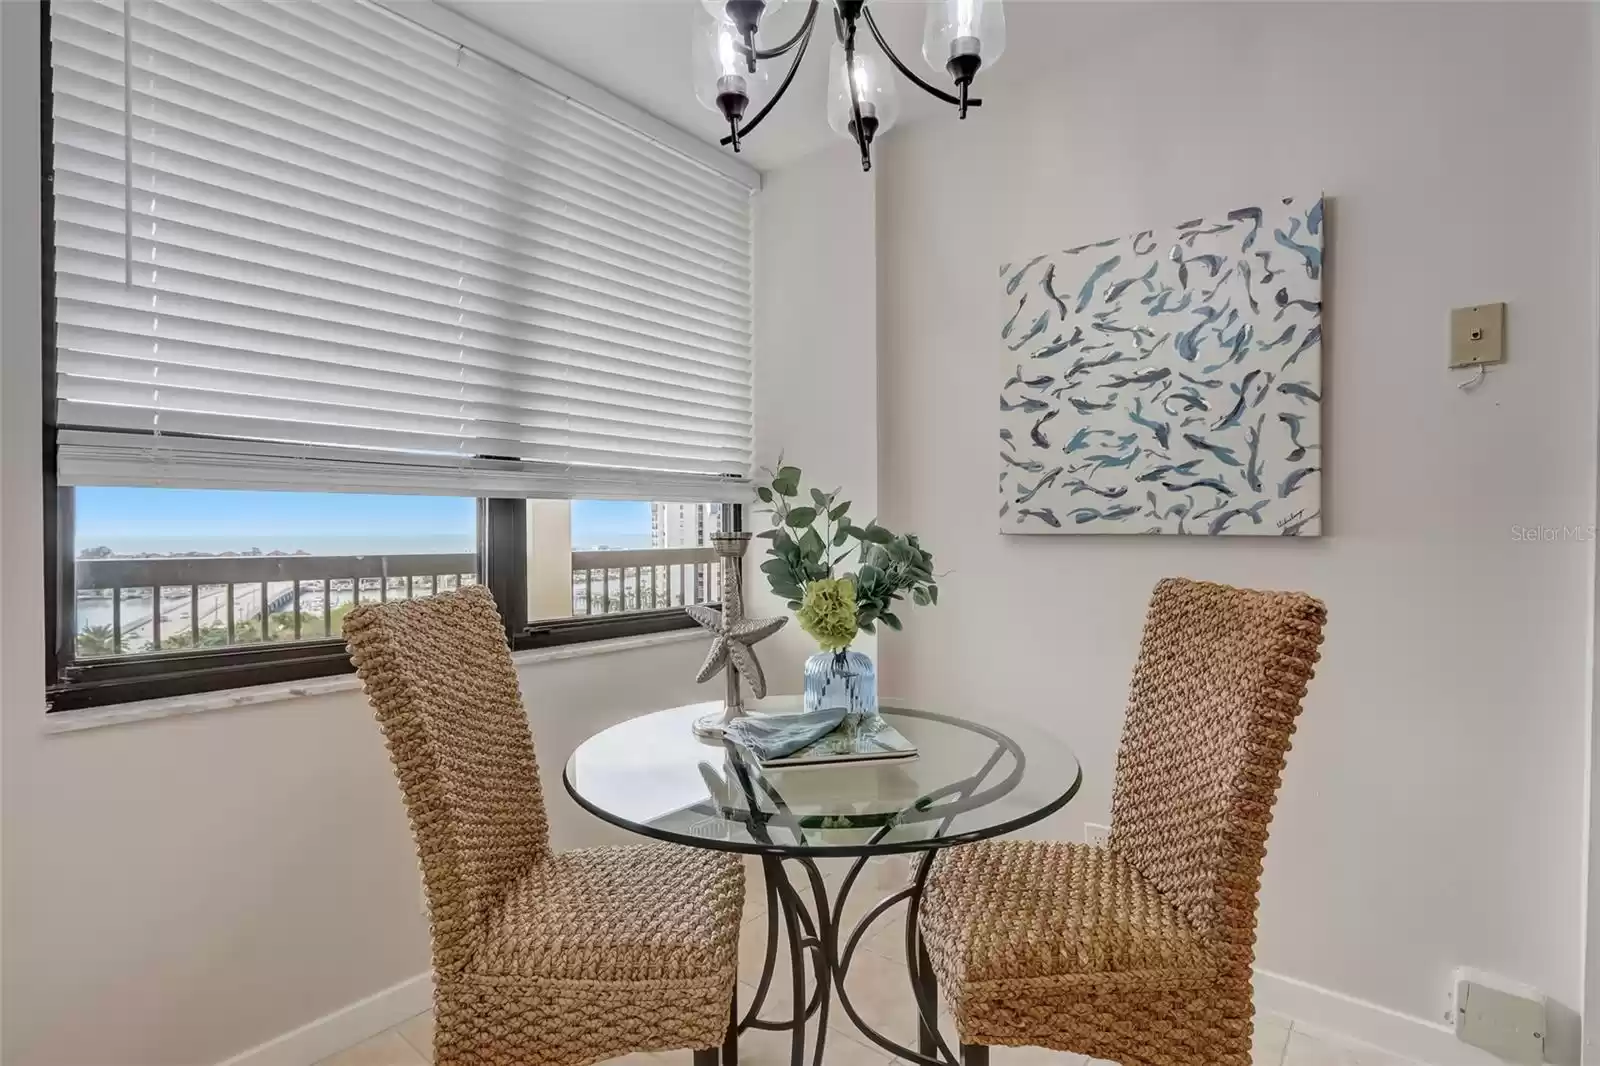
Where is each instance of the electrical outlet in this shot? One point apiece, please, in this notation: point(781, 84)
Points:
point(1096, 834)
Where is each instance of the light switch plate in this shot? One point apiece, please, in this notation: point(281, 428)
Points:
point(1478, 335)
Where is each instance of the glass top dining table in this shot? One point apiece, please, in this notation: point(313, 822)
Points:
point(973, 778)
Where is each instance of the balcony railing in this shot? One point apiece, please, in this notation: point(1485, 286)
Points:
point(610, 582)
point(141, 605)
point(138, 605)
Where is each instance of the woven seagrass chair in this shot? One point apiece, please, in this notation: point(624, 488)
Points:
point(1140, 951)
point(540, 958)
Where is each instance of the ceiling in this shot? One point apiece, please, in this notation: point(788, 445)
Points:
point(640, 50)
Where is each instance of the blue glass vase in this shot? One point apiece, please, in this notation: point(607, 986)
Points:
point(844, 679)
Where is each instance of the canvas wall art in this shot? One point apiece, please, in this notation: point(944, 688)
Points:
point(1169, 381)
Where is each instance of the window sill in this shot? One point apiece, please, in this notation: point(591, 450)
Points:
point(229, 699)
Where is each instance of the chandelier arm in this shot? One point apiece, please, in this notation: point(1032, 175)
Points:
point(911, 76)
point(799, 35)
point(800, 53)
point(856, 124)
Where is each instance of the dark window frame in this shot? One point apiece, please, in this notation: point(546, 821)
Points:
point(72, 685)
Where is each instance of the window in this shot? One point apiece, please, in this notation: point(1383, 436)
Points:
point(607, 557)
point(174, 570)
point(310, 259)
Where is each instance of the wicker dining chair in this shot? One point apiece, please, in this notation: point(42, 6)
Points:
point(1140, 951)
point(540, 958)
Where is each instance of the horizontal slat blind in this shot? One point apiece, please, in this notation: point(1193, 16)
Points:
point(339, 233)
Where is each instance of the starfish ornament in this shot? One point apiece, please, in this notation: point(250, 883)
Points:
point(733, 635)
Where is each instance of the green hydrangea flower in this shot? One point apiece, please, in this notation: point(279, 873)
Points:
point(828, 612)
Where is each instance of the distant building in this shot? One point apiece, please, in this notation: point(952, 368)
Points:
point(687, 525)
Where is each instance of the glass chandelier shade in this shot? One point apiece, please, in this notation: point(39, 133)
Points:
point(880, 106)
point(962, 35)
point(721, 68)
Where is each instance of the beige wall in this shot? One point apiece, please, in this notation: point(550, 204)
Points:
point(180, 890)
point(1433, 803)
point(816, 379)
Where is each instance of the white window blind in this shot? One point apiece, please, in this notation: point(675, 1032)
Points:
point(311, 243)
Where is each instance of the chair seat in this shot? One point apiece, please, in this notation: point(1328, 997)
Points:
point(649, 913)
point(1043, 913)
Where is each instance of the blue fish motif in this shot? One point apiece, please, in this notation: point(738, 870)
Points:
point(1033, 331)
point(1294, 421)
point(1158, 303)
point(1244, 272)
point(1313, 335)
point(1084, 406)
point(1087, 291)
point(1016, 279)
point(1101, 462)
point(1026, 494)
point(1036, 434)
point(1115, 292)
point(1252, 466)
point(1027, 405)
point(1053, 348)
point(1189, 238)
point(1187, 345)
point(1314, 218)
point(1032, 383)
point(1078, 485)
point(1301, 392)
point(1281, 298)
point(1187, 398)
point(1005, 435)
point(1083, 515)
point(1206, 383)
point(1283, 338)
point(1293, 481)
point(1097, 244)
point(1144, 379)
point(1144, 235)
point(1080, 439)
point(1081, 365)
point(1219, 523)
point(1005, 331)
point(1232, 417)
point(1160, 429)
point(1048, 282)
point(1032, 466)
point(1251, 215)
point(1215, 484)
point(1156, 473)
point(1312, 256)
point(1221, 451)
point(1043, 514)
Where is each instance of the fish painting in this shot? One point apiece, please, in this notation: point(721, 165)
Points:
point(1169, 381)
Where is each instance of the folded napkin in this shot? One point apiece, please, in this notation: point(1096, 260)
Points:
point(772, 736)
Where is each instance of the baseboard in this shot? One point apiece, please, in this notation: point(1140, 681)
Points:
point(348, 1025)
point(1316, 1009)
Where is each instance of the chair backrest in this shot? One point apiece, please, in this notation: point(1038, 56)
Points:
point(1218, 684)
point(439, 675)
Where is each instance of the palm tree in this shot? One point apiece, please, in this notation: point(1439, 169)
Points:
point(96, 641)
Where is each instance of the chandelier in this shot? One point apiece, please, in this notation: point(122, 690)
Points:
point(730, 65)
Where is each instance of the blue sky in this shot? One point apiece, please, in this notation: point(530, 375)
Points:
point(145, 519)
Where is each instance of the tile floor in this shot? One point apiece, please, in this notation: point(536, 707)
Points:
point(877, 986)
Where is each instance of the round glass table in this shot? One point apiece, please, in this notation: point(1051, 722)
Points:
point(971, 780)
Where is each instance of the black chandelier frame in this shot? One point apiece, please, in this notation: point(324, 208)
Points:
point(846, 15)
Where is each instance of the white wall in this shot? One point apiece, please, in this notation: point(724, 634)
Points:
point(180, 890)
point(1432, 809)
point(816, 356)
